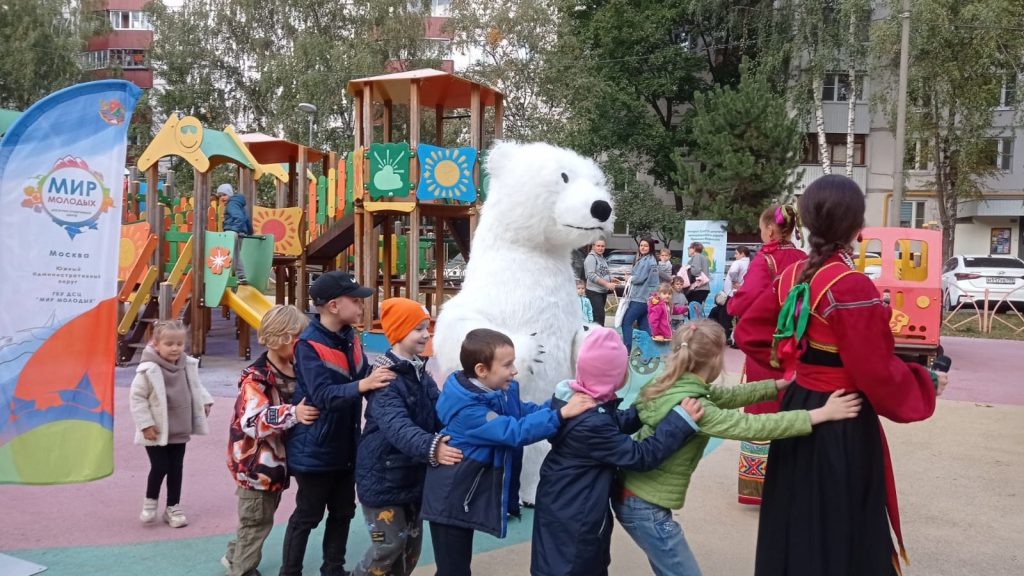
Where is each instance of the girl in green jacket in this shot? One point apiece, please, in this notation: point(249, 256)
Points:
point(648, 498)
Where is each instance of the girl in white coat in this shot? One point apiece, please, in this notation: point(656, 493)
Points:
point(168, 404)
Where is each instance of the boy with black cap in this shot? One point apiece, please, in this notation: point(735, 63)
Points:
point(333, 374)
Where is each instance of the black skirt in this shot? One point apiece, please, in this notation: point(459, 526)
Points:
point(823, 510)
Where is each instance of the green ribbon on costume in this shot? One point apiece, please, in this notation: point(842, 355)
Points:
point(793, 317)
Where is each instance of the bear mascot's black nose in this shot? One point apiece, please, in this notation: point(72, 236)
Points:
point(601, 210)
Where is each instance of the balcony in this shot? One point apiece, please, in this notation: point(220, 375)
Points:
point(814, 171)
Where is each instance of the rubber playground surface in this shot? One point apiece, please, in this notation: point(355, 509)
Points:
point(959, 479)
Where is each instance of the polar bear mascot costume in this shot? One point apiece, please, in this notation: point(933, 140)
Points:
point(543, 202)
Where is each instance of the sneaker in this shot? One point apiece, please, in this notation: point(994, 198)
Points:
point(175, 517)
point(243, 281)
point(148, 511)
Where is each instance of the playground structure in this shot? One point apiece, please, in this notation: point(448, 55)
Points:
point(391, 187)
point(910, 263)
point(165, 251)
point(384, 211)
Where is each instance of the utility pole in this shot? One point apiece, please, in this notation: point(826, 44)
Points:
point(901, 116)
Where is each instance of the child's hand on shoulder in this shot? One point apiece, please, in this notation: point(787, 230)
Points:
point(305, 413)
point(781, 384)
point(942, 381)
point(694, 407)
point(379, 378)
point(839, 406)
point(578, 404)
point(150, 433)
point(446, 454)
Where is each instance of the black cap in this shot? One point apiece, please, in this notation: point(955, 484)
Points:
point(331, 285)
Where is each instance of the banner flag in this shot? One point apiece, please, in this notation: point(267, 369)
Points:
point(61, 168)
point(712, 234)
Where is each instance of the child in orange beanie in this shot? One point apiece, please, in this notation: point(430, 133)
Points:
point(400, 439)
point(572, 526)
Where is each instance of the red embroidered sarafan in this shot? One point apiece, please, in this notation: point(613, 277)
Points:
point(848, 346)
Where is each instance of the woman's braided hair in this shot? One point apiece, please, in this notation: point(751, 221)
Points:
point(832, 209)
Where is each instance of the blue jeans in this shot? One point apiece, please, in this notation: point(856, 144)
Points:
point(636, 312)
point(658, 535)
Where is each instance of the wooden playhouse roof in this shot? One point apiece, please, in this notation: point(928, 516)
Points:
point(436, 88)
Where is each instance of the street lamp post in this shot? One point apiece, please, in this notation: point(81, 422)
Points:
point(310, 110)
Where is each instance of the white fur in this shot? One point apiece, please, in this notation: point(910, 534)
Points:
point(519, 278)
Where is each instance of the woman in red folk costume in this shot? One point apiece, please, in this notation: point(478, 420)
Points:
point(830, 498)
point(778, 225)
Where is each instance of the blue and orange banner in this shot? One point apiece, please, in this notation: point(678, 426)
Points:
point(61, 166)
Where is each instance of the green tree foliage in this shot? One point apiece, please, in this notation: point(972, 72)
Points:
point(510, 44)
point(40, 43)
point(962, 53)
point(744, 152)
point(249, 63)
point(632, 67)
point(638, 208)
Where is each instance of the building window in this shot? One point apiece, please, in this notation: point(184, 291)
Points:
point(95, 60)
point(1008, 92)
point(912, 214)
point(128, 59)
point(440, 7)
point(918, 156)
point(999, 152)
point(836, 149)
point(129, 20)
point(620, 228)
point(837, 88)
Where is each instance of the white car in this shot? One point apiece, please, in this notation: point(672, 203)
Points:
point(966, 278)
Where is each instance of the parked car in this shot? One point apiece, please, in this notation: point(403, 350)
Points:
point(730, 252)
point(872, 263)
point(455, 270)
point(967, 277)
point(619, 265)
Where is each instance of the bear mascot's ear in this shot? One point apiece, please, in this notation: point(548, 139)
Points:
point(502, 157)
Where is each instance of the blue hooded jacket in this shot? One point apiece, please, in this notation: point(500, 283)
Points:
point(235, 217)
point(490, 427)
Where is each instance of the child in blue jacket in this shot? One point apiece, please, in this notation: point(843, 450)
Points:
point(482, 413)
point(572, 526)
point(236, 219)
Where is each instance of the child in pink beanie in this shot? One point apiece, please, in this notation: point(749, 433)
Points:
point(572, 527)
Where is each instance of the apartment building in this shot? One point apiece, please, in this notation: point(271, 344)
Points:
point(987, 225)
point(124, 51)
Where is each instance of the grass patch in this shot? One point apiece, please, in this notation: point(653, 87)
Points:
point(970, 329)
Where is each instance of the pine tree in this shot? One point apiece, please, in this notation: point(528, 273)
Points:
point(744, 152)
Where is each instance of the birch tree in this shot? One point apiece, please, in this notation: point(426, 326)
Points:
point(962, 52)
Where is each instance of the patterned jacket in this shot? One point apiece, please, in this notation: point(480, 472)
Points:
point(256, 448)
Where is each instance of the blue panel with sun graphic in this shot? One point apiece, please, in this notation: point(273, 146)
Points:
point(446, 173)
